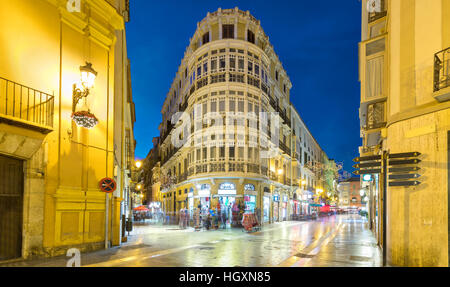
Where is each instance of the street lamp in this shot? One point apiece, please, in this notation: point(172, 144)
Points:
point(138, 164)
point(280, 171)
point(88, 75)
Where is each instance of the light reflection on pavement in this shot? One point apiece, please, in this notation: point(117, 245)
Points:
point(341, 240)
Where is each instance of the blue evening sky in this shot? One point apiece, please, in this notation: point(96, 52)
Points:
point(316, 41)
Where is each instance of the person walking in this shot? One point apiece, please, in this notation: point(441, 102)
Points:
point(197, 218)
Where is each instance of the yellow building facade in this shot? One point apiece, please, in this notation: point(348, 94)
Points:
point(405, 107)
point(229, 133)
point(53, 202)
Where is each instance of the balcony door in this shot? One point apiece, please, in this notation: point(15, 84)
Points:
point(11, 207)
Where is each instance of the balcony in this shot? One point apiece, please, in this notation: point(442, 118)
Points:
point(441, 79)
point(285, 148)
point(24, 106)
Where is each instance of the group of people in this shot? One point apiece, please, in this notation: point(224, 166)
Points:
point(209, 218)
point(184, 218)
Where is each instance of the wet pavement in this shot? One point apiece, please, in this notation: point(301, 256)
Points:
point(339, 240)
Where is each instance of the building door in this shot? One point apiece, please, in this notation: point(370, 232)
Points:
point(11, 207)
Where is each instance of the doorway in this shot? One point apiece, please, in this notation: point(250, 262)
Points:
point(11, 207)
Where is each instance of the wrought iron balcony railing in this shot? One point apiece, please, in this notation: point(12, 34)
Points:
point(442, 70)
point(29, 106)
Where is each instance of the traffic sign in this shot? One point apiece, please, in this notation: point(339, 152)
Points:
point(404, 161)
point(403, 169)
point(107, 185)
point(404, 183)
point(404, 176)
point(405, 154)
point(368, 164)
point(367, 171)
point(367, 158)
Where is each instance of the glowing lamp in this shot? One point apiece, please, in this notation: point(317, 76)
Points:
point(88, 75)
point(138, 164)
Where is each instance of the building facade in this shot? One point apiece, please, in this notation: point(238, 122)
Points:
point(405, 107)
point(350, 194)
point(229, 134)
point(58, 128)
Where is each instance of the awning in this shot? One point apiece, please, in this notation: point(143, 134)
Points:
point(315, 205)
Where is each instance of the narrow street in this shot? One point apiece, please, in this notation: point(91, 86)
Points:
point(340, 240)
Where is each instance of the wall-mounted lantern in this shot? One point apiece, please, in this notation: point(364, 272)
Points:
point(84, 118)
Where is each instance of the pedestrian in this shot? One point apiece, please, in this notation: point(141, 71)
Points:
point(224, 219)
point(197, 218)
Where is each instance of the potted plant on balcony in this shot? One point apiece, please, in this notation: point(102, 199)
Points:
point(84, 119)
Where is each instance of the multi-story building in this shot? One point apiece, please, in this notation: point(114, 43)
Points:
point(63, 85)
point(227, 125)
point(149, 177)
point(350, 194)
point(405, 91)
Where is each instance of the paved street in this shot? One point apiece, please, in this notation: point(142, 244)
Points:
point(341, 240)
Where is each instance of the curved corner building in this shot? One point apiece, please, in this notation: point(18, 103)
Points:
point(241, 140)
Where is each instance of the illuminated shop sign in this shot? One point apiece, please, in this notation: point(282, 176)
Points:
point(367, 177)
point(227, 188)
point(249, 186)
point(285, 198)
point(276, 197)
point(205, 186)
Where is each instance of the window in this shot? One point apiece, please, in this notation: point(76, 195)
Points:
point(241, 152)
point(232, 106)
point(213, 152)
point(128, 151)
point(199, 71)
point(232, 63)
point(231, 152)
point(205, 68)
point(205, 38)
point(222, 63)
point(227, 31)
point(250, 67)
point(222, 152)
point(240, 106)
point(375, 115)
point(276, 75)
point(213, 106)
point(250, 36)
point(213, 64)
point(241, 64)
point(236, 78)
point(222, 106)
point(205, 153)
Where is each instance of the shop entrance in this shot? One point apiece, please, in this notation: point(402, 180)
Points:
point(226, 206)
point(250, 203)
point(11, 207)
point(266, 205)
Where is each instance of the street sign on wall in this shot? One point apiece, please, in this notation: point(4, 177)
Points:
point(107, 185)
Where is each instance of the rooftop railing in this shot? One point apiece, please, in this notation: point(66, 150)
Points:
point(442, 70)
point(26, 105)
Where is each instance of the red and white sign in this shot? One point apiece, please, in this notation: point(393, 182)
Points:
point(107, 185)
